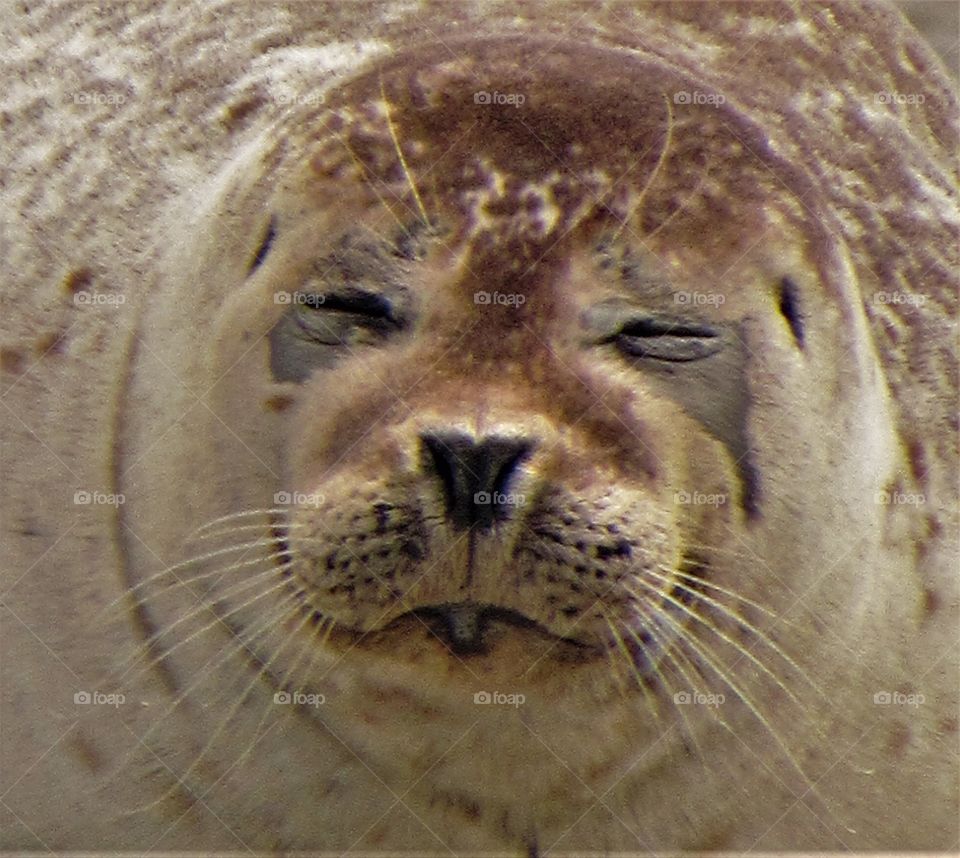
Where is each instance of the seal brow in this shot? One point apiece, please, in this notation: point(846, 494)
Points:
point(789, 306)
point(265, 244)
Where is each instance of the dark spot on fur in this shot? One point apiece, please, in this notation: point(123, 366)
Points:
point(50, 343)
point(750, 489)
point(899, 739)
point(934, 527)
point(621, 548)
point(11, 360)
point(237, 113)
point(278, 403)
point(411, 550)
point(78, 280)
point(382, 513)
point(789, 307)
point(87, 752)
point(916, 456)
point(931, 602)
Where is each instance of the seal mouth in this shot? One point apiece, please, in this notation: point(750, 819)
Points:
point(465, 628)
point(471, 628)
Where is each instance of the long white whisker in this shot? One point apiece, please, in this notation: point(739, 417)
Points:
point(247, 584)
point(740, 621)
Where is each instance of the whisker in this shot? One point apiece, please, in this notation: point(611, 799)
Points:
point(740, 621)
point(661, 160)
point(154, 640)
point(403, 161)
point(270, 510)
point(288, 524)
point(167, 571)
point(369, 180)
point(705, 174)
point(280, 609)
point(705, 582)
point(319, 641)
point(740, 648)
point(665, 654)
point(630, 661)
point(688, 640)
point(241, 700)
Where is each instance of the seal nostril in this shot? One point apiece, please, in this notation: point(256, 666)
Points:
point(473, 475)
point(441, 457)
point(510, 455)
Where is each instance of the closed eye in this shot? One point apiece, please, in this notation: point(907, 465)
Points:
point(667, 340)
point(360, 303)
point(345, 318)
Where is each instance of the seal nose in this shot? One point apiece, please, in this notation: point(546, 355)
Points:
point(474, 475)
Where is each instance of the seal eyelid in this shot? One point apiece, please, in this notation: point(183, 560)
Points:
point(667, 340)
point(650, 327)
point(350, 316)
point(358, 302)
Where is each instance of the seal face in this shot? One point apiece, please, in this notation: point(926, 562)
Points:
point(497, 295)
point(503, 467)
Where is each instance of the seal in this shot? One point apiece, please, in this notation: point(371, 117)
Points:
point(508, 458)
